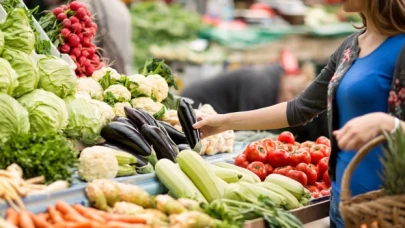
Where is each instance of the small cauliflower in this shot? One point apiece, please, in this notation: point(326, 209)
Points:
point(160, 89)
point(119, 108)
point(139, 86)
point(107, 76)
point(91, 87)
point(116, 93)
point(154, 108)
point(107, 111)
point(97, 162)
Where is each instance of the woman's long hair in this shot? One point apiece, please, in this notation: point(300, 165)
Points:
point(388, 16)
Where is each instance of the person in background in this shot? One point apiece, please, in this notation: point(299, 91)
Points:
point(253, 88)
point(359, 79)
point(114, 31)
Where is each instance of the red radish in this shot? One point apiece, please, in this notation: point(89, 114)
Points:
point(89, 69)
point(76, 52)
point(64, 7)
point(61, 17)
point(76, 28)
point(66, 23)
point(57, 11)
point(86, 41)
point(73, 40)
point(80, 13)
point(65, 48)
point(92, 31)
point(94, 25)
point(88, 24)
point(74, 19)
point(80, 35)
point(79, 46)
point(85, 53)
point(86, 18)
point(75, 6)
point(83, 61)
point(65, 32)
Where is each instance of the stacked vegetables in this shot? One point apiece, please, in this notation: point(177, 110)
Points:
point(305, 162)
point(227, 190)
point(71, 29)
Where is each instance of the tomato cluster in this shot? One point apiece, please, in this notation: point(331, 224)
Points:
point(76, 32)
point(305, 162)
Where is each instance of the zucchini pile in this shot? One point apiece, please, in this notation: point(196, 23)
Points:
point(150, 140)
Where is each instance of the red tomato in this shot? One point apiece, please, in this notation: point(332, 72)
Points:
point(290, 147)
point(323, 140)
point(316, 154)
point(307, 144)
point(286, 137)
point(241, 161)
point(282, 146)
point(322, 167)
point(268, 144)
point(283, 170)
point(326, 179)
point(321, 186)
point(269, 169)
point(256, 152)
point(323, 148)
point(325, 192)
point(300, 156)
point(298, 176)
point(312, 188)
point(309, 170)
point(278, 158)
point(316, 195)
point(259, 169)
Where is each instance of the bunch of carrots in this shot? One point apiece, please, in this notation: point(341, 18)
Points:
point(63, 215)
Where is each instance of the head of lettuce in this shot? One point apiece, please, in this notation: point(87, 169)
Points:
point(47, 112)
point(13, 117)
point(56, 76)
point(8, 77)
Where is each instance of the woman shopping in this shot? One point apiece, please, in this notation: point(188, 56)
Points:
point(361, 77)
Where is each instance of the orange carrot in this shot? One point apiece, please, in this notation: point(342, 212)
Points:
point(12, 216)
point(25, 220)
point(89, 214)
point(118, 224)
point(125, 218)
point(54, 215)
point(69, 212)
point(39, 222)
point(64, 225)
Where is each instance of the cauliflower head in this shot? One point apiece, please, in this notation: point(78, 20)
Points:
point(91, 87)
point(119, 108)
point(160, 89)
point(107, 111)
point(116, 93)
point(154, 108)
point(107, 76)
point(139, 86)
point(97, 162)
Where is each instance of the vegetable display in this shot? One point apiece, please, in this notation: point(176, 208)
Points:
point(71, 29)
point(307, 162)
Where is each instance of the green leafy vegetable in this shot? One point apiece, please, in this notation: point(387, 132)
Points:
point(17, 32)
point(13, 118)
point(40, 154)
point(156, 23)
point(56, 76)
point(47, 111)
point(85, 119)
point(26, 69)
point(8, 77)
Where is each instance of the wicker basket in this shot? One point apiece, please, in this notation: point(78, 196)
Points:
point(373, 207)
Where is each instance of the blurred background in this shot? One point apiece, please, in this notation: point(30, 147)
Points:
point(236, 55)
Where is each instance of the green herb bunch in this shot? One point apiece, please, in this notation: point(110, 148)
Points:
point(40, 154)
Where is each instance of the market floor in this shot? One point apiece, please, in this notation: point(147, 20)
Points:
point(322, 223)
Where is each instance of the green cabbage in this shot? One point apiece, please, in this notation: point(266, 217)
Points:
point(47, 111)
point(56, 76)
point(8, 77)
point(17, 32)
point(85, 119)
point(13, 117)
point(26, 69)
point(1, 42)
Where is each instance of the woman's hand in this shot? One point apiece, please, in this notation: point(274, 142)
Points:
point(211, 125)
point(358, 131)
